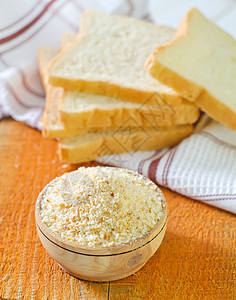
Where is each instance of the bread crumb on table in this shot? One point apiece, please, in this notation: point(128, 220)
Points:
point(101, 206)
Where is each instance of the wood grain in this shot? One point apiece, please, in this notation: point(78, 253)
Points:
point(196, 260)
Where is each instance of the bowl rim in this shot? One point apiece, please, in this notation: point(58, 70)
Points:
point(119, 249)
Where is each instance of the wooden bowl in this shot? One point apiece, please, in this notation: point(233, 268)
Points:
point(100, 263)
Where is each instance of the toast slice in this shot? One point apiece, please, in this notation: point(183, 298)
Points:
point(108, 57)
point(44, 56)
point(66, 40)
point(53, 127)
point(200, 64)
point(82, 110)
point(88, 110)
point(90, 146)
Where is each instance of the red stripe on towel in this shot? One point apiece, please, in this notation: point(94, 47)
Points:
point(26, 27)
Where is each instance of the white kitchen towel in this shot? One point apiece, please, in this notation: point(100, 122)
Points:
point(202, 167)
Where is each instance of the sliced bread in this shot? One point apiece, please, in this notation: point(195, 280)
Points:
point(53, 127)
point(83, 110)
point(107, 58)
point(44, 56)
point(66, 40)
point(88, 110)
point(90, 146)
point(200, 64)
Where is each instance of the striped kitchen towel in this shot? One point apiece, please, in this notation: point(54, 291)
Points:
point(202, 167)
point(24, 26)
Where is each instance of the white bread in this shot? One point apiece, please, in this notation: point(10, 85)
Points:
point(53, 127)
point(108, 56)
point(90, 146)
point(66, 40)
point(93, 112)
point(72, 106)
point(200, 64)
point(44, 56)
point(88, 110)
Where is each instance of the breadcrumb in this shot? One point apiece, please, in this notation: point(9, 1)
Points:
point(101, 206)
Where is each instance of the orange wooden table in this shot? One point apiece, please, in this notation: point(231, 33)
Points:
point(196, 260)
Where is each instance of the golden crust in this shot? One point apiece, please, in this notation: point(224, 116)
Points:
point(145, 116)
point(100, 119)
point(217, 110)
point(182, 86)
point(55, 133)
point(104, 145)
point(112, 90)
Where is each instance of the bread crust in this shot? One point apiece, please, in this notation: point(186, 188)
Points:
point(217, 110)
point(77, 123)
point(112, 90)
point(184, 87)
point(147, 116)
point(159, 139)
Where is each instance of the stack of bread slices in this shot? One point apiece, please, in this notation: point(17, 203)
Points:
point(101, 100)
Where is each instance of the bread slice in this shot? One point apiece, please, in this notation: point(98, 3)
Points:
point(161, 113)
point(200, 64)
point(88, 110)
point(108, 58)
point(90, 146)
point(53, 127)
point(44, 56)
point(94, 112)
point(66, 40)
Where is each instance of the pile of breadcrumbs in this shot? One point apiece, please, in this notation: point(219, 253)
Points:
point(101, 206)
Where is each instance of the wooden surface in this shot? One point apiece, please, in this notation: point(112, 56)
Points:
point(196, 260)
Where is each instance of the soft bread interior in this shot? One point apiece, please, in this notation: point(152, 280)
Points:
point(108, 57)
point(205, 55)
